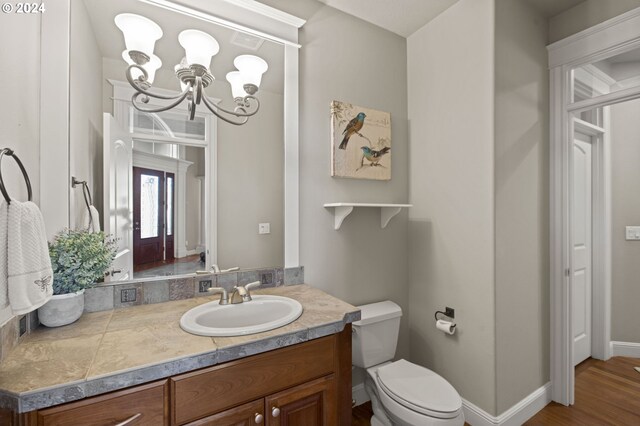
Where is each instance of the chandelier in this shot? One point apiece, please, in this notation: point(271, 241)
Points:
point(140, 36)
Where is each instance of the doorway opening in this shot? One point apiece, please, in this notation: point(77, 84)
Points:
point(591, 73)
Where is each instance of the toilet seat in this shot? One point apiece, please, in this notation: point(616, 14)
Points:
point(419, 389)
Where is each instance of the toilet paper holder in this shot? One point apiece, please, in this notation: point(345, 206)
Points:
point(448, 312)
point(447, 326)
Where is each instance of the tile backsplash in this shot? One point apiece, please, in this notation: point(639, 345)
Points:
point(157, 291)
point(15, 330)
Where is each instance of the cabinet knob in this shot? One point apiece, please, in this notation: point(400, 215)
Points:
point(258, 418)
point(275, 412)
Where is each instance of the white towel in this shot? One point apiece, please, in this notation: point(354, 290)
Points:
point(29, 265)
point(4, 255)
point(91, 219)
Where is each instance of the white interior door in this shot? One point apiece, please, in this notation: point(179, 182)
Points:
point(582, 249)
point(118, 196)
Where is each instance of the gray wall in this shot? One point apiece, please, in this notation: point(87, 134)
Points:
point(451, 226)
point(625, 182)
point(585, 15)
point(521, 197)
point(344, 58)
point(85, 112)
point(20, 111)
point(251, 187)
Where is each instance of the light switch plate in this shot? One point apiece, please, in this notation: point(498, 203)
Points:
point(632, 233)
point(264, 228)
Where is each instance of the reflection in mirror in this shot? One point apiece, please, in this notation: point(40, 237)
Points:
point(180, 196)
point(168, 183)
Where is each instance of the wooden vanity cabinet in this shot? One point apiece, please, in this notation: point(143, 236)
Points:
point(308, 384)
point(304, 384)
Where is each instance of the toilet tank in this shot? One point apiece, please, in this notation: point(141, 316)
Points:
point(375, 336)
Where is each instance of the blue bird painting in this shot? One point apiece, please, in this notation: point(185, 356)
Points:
point(354, 126)
point(373, 156)
point(369, 157)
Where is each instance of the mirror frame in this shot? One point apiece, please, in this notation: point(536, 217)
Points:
point(250, 17)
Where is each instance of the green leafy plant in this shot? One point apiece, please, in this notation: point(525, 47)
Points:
point(80, 259)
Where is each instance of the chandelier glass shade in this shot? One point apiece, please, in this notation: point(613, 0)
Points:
point(192, 72)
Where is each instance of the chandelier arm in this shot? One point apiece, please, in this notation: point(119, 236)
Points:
point(214, 109)
point(198, 89)
point(143, 78)
point(246, 103)
point(192, 108)
point(134, 102)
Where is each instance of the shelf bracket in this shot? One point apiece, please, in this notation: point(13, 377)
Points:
point(340, 213)
point(386, 214)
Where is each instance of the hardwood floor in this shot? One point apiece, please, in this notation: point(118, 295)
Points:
point(361, 415)
point(607, 393)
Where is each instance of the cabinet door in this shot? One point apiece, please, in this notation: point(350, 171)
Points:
point(309, 404)
point(138, 406)
point(249, 414)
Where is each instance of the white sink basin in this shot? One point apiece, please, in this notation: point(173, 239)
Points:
point(263, 313)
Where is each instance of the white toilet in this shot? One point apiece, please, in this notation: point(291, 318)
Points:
point(401, 393)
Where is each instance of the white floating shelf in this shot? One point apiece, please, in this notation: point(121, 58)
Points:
point(387, 211)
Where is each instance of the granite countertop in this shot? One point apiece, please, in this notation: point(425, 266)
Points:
point(110, 350)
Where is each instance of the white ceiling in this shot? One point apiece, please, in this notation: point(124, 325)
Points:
point(404, 17)
point(111, 42)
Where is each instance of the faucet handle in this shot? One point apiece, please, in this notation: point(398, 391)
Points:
point(243, 290)
point(224, 298)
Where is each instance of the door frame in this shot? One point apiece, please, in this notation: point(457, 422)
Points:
point(611, 37)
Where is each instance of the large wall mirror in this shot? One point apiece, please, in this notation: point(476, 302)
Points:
point(180, 195)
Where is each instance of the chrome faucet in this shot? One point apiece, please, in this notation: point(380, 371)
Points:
point(224, 297)
point(243, 292)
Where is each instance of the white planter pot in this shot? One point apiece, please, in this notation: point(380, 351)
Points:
point(62, 309)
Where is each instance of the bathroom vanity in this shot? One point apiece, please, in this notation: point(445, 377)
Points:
point(297, 374)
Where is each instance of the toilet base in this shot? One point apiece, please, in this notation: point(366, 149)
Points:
point(376, 422)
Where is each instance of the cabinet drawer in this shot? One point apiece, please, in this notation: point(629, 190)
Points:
point(142, 405)
point(209, 391)
point(249, 414)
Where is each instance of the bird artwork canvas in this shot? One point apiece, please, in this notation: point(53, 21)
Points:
point(360, 142)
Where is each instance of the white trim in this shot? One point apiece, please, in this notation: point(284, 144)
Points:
point(615, 31)
point(514, 416)
point(628, 349)
point(359, 394)
point(601, 243)
point(269, 22)
point(160, 162)
point(270, 12)
point(291, 159)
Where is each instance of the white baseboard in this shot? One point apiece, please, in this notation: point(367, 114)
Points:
point(629, 349)
point(359, 394)
point(514, 416)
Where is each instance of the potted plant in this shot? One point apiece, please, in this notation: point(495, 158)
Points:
point(79, 260)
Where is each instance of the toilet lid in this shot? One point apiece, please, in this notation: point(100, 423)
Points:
point(419, 388)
